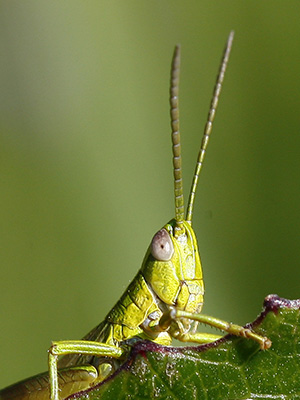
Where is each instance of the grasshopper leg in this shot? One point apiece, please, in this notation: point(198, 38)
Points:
point(228, 327)
point(75, 347)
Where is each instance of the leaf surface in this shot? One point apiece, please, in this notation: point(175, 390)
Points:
point(232, 368)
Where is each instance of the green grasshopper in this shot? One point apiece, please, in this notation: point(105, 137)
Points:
point(164, 300)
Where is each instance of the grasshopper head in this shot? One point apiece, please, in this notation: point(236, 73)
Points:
point(173, 269)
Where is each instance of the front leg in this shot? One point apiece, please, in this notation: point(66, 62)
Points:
point(76, 347)
point(228, 327)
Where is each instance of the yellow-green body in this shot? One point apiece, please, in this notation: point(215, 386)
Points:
point(157, 286)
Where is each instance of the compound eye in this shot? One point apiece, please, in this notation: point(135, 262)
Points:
point(162, 246)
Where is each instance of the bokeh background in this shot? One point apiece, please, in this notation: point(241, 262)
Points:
point(85, 158)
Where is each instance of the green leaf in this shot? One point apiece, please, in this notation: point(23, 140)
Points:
point(231, 368)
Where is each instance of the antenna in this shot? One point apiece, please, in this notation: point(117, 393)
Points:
point(208, 125)
point(176, 146)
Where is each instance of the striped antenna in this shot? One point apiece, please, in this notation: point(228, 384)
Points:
point(178, 185)
point(208, 125)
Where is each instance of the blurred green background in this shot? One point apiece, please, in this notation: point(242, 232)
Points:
point(86, 176)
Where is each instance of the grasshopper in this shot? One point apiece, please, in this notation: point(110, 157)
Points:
point(164, 300)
